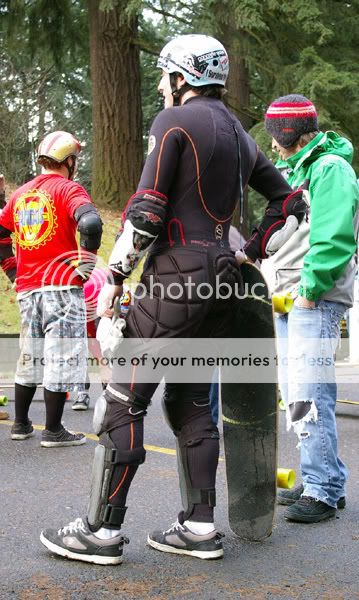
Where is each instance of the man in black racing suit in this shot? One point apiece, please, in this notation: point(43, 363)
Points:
point(199, 162)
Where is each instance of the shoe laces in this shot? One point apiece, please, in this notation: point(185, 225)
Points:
point(175, 527)
point(73, 527)
point(306, 500)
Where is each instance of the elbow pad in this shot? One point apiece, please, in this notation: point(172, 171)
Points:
point(295, 208)
point(89, 225)
point(286, 215)
point(296, 204)
point(130, 247)
point(144, 222)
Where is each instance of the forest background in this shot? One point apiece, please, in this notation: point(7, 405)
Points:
point(89, 67)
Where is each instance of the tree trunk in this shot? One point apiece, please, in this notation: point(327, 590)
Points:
point(116, 105)
point(238, 97)
point(238, 100)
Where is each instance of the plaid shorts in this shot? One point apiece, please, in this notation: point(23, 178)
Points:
point(53, 342)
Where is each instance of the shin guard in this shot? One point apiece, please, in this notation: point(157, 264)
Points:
point(193, 434)
point(101, 513)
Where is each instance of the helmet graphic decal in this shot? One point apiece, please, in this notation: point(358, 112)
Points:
point(201, 59)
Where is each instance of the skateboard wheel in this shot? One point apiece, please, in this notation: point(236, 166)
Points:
point(3, 400)
point(282, 303)
point(285, 478)
point(281, 404)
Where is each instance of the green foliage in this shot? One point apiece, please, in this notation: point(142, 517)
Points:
point(46, 85)
point(288, 46)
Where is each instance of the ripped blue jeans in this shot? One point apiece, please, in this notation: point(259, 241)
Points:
point(307, 341)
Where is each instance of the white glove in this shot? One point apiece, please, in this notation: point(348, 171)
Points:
point(113, 340)
point(106, 298)
point(280, 237)
point(103, 331)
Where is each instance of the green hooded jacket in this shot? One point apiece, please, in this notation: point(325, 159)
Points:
point(323, 167)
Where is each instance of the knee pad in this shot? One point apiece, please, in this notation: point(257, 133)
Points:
point(100, 512)
point(99, 413)
point(133, 401)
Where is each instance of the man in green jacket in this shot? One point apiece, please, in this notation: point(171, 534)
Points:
point(316, 266)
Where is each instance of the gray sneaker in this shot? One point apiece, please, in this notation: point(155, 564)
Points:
point(20, 431)
point(289, 497)
point(82, 401)
point(309, 510)
point(76, 541)
point(178, 539)
point(51, 439)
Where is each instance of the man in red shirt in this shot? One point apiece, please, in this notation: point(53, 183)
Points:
point(44, 215)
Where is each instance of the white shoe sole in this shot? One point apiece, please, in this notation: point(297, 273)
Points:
point(196, 553)
point(97, 560)
point(59, 444)
point(22, 436)
point(80, 407)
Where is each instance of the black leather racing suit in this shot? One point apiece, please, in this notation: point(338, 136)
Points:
point(200, 161)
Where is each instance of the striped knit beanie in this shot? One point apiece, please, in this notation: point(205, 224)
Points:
point(288, 117)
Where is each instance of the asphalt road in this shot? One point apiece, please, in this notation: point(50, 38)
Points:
point(43, 487)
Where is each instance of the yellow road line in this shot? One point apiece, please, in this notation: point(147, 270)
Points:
point(92, 436)
point(355, 402)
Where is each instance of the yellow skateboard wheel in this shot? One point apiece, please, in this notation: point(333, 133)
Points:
point(282, 303)
point(3, 400)
point(285, 478)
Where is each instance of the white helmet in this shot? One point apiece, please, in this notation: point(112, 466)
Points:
point(58, 146)
point(201, 59)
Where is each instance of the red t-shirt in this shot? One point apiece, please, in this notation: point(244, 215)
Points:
point(41, 214)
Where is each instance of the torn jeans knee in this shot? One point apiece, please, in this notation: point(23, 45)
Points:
point(300, 413)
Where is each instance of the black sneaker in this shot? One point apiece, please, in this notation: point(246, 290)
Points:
point(19, 431)
point(288, 497)
point(53, 439)
point(82, 401)
point(76, 541)
point(309, 510)
point(178, 539)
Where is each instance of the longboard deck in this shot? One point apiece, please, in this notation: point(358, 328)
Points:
point(250, 427)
